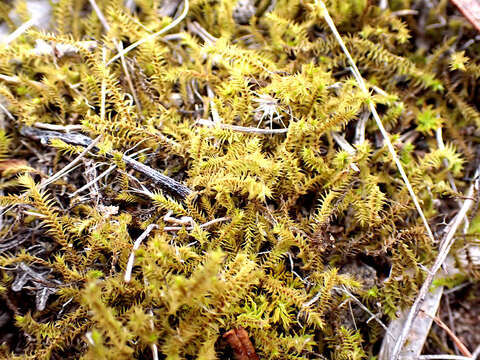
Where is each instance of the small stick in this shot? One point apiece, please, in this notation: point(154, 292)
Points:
point(100, 15)
point(16, 80)
point(443, 357)
point(461, 346)
point(54, 127)
point(197, 29)
point(72, 164)
point(476, 353)
point(163, 180)
point(184, 220)
point(136, 245)
point(471, 10)
point(154, 346)
point(215, 116)
point(248, 130)
point(202, 226)
point(5, 110)
point(360, 128)
point(20, 30)
point(404, 12)
point(129, 78)
point(78, 139)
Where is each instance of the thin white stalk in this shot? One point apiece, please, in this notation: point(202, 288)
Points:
point(20, 30)
point(55, 127)
point(136, 245)
point(5, 110)
point(100, 15)
point(363, 87)
point(215, 116)
point(248, 130)
point(154, 346)
point(152, 36)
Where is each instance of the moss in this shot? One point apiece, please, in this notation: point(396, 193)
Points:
point(272, 217)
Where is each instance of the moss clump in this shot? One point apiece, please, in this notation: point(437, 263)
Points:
point(254, 108)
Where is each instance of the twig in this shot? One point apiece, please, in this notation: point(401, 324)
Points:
point(202, 226)
point(184, 220)
point(163, 180)
point(5, 110)
point(451, 322)
point(248, 130)
point(168, 7)
point(128, 77)
point(20, 30)
point(471, 10)
point(78, 139)
point(44, 137)
point(54, 127)
point(443, 357)
point(476, 353)
point(62, 172)
point(152, 36)
point(17, 80)
point(360, 128)
point(456, 288)
point(136, 245)
point(197, 29)
point(154, 346)
point(213, 222)
point(461, 346)
point(404, 12)
point(99, 14)
point(103, 90)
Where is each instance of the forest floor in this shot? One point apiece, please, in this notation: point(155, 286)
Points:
point(215, 179)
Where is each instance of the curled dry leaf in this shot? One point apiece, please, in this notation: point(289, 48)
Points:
point(242, 346)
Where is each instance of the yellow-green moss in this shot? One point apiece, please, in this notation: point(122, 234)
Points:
point(297, 206)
